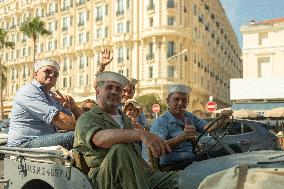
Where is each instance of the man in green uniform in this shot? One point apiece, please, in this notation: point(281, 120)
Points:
point(108, 141)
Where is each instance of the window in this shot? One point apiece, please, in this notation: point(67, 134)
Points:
point(151, 5)
point(99, 33)
point(82, 62)
point(120, 27)
point(195, 10)
point(120, 10)
point(65, 41)
point(120, 55)
point(127, 4)
point(64, 84)
point(106, 32)
point(81, 80)
point(106, 10)
point(263, 38)
point(170, 49)
point(264, 67)
point(171, 71)
point(151, 21)
point(239, 128)
point(128, 26)
point(170, 4)
point(65, 65)
point(171, 20)
point(81, 19)
point(81, 38)
point(99, 15)
point(120, 72)
point(65, 24)
point(150, 54)
point(151, 72)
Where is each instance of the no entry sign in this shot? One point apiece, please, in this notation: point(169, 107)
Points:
point(211, 106)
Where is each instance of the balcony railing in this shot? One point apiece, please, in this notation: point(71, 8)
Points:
point(65, 8)
point(119, 12)
point(170, 4)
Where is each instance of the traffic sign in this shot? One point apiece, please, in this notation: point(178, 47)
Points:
point(211, 106)
point(156, 108)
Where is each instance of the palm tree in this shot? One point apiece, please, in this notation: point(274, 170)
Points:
point(34, 27)
point(3, 76)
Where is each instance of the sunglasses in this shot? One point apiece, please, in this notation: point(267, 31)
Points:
point(51, 73)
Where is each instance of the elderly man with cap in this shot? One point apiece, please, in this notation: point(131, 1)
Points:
point(108, 141)
point(38, 114)
point(178, 127)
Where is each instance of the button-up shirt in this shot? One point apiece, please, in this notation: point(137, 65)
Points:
point(168, 127)
point(32, 114)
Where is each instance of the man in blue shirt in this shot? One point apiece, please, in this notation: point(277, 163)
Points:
point(38, 113)
point(178, 127)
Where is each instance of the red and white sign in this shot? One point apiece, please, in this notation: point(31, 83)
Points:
point(211, 106)
point(156, 108)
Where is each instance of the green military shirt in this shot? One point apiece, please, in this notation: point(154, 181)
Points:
point(88, 124)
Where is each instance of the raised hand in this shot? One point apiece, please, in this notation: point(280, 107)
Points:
point(106, 58)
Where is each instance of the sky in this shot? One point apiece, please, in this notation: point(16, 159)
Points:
point(240, 12)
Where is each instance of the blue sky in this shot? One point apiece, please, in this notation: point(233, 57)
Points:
point(240, 12)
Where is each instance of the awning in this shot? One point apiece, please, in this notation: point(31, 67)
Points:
point(257, 106)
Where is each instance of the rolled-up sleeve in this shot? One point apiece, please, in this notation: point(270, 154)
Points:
point(36, 103)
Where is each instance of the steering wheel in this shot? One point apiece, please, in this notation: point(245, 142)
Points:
point(217, 134)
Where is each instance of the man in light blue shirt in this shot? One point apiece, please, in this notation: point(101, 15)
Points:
point(178, 127)
point(38, 113)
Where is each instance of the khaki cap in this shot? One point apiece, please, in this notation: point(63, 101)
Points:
point(135, 104)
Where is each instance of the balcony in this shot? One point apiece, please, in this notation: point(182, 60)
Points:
point(150, 56)
point(119, 12)
point(170, 4)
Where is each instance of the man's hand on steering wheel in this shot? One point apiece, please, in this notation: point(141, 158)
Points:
point(224, 119)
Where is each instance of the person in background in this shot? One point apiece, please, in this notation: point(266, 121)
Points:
point(133, 109)
point(177, 126)
point(38, 113)
point(108, 141)
point(128, 93)
point(87, 105)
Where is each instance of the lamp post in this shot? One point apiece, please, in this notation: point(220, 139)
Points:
point(168, 61)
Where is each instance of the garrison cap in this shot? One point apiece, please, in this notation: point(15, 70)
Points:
point(133, 81)
point(45, 62)
point(112, 76)
point(179, 89)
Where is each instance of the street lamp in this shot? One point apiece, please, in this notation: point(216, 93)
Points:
point(168, 61)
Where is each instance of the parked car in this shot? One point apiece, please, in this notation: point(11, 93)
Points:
point(244, 136)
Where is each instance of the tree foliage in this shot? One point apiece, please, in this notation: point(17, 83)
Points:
point(147, 102)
